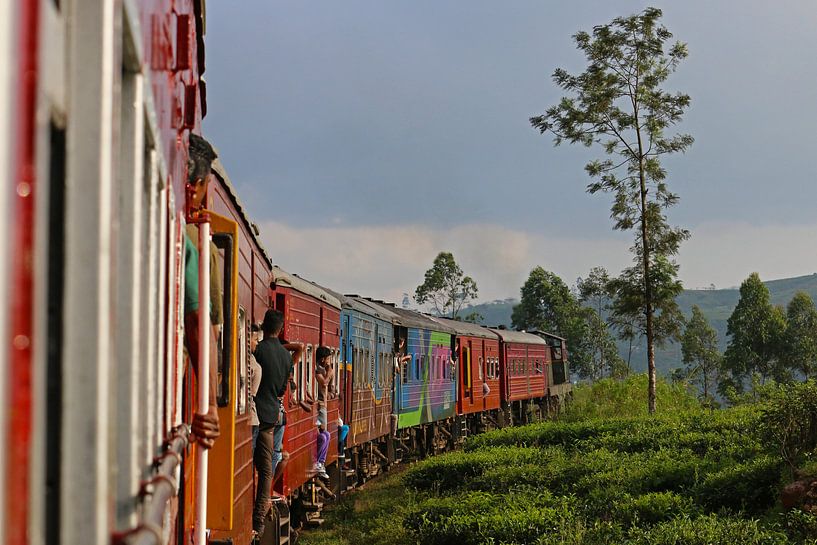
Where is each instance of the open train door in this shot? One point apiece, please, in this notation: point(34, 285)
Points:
point(221, 467)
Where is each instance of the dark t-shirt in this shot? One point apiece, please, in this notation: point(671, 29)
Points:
point(276, 367)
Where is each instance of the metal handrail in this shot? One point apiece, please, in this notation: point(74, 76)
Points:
point(157, 491)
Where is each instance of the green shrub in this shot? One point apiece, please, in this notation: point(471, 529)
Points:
point(564, 434)
point(750, 486)
point(801, 526)
point(610, 398)
point(706, 530)
point(477, 518)
point(453, 470)
point(651, 508)
point(790, 421)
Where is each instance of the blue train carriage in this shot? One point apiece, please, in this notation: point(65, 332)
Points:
point(425, 391)
point(367, 342)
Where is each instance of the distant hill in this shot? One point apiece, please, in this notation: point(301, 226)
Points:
point(716, 304)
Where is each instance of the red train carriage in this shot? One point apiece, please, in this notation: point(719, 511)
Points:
point(523, 375)
point(97, 99)
point(559, 386)
point(477, 350)
point(311, 316)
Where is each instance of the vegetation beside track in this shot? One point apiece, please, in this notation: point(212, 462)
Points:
point(684, 476)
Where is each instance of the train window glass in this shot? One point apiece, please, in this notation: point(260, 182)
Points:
point(243, 367)
point(308, 388)
point(384, 369)
point(336, 361)
point(224, 244)
point(355, 370)
point(299, 378)
point(369, 367)
point(390, 369)
point(439, 370)
point(480, 361)
point(466, 361)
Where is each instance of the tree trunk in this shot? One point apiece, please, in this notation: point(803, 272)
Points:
point(647, 286)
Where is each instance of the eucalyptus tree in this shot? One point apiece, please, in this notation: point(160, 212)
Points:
point(619, 105)
point(446, 287)
point(756, 330)
point(699, 348)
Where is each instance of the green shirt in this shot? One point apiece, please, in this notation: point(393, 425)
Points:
point(216, 297)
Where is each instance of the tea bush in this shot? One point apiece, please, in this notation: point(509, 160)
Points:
point(684, 477)
point(706, 530)
point(748, 486)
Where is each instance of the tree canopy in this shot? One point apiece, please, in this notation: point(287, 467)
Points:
point(699, 348)
point(446, 287)
point(755, 331)
point(619, 105)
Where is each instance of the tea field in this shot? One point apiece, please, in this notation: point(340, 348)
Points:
point(684, 476)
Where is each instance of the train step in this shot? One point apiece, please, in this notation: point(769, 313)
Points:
point(314, 522)
point(309, 506)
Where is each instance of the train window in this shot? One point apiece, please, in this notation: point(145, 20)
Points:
point(368, 369)
point(336, 361)
point(383, 370)
point(466, 362)
point(480, 367)
point(306, 381)
point(299, 378)
point(243, 367)
point(355, 367)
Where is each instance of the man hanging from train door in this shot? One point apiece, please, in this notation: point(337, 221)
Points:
point(205, 427)
point(276, 363)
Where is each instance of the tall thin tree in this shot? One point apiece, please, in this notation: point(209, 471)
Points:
point(618, 104)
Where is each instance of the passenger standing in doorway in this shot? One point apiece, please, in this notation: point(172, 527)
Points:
point(255, 381)
point(276, 371)
point(205, 427)
point(324, 376)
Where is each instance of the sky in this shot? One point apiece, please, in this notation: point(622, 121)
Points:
point(365, 137)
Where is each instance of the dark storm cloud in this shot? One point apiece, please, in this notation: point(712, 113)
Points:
point(415, 113)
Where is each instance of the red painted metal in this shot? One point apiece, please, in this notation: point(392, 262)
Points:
point(302, 323)
point(18, 432)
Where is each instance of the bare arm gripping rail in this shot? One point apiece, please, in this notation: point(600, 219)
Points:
point(156, 492)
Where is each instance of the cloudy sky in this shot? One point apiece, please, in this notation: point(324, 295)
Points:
point(365, 137)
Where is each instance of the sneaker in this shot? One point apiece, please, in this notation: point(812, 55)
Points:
point(320, 470)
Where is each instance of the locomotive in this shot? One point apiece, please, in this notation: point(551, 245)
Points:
point(98, 99)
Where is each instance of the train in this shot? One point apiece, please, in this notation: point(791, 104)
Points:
point(98, 99)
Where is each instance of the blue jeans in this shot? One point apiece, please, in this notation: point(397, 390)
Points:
point(277, 445)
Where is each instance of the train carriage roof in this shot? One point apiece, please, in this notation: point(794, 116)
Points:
point(409, 318)
point(362, 304)
point(358, 303)
point(509, 336)
point(467, 328)
point(546, 335)
point(280, 276)
point(221, 172)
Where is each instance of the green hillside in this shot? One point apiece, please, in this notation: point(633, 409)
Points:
point(717, 305)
